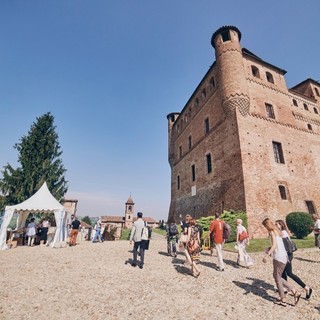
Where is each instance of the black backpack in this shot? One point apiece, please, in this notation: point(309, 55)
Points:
point(173, 229)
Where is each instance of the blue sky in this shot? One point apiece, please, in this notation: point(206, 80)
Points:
point(110, 72)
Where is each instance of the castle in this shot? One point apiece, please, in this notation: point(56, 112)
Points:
point(244, 141)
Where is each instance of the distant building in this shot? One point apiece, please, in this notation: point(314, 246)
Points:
point(244, 141)
point(71, 205)
point(127, 220)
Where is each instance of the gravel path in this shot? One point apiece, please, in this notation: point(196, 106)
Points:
point(94, 281)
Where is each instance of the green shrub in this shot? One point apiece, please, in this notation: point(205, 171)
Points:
point(299, 223)
point(229, 217)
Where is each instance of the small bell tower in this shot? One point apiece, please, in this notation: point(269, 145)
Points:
point(129, 213)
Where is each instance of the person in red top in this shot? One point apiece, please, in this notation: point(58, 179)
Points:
point(217, 228)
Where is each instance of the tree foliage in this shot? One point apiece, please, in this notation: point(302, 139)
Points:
point(299, 223)
point(87, 220)
point(40, 161)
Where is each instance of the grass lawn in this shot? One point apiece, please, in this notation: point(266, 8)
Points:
point(259, 245)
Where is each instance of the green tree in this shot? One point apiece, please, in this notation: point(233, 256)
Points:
point(87, 220)
point(40, 161)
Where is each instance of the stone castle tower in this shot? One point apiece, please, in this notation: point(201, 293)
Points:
point(244, 141)
point(129, 213)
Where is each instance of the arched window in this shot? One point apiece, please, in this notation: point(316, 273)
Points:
point(203, 93)
point(295, 103)
point(317, 91)
point(305, 106)
point(309, 126)
point(212, 84)
point(255, 72)
point(315, 110)
point(269, 77)
point(283, 194)
point(196, 103)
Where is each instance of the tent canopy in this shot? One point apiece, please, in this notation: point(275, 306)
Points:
point(41, 202)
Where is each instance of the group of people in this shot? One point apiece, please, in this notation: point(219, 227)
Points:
point(38, 232)
point(190, 242)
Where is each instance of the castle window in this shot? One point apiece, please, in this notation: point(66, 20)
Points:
point(180, 152)
point(204, 93)
point(305, 106)
point(206, 125)
point(277, 150)
point(196, 103)
point(212, 84)
point(295, 103)
point(283, 194)
point(178, 182)
point(193, 172)
point(129, 208)
point(269, 109)
point(317, 92)
point(190, 142)
point(310, 206)
point(269, 77)
point(225, 35)
point(315, 110)
point(209, 163)
point(309, 126)
point(255, 71)
point(128, 217)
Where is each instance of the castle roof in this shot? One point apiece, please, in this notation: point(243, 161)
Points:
point(115, 219)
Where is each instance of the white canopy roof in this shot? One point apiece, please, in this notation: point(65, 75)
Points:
point(42, 201)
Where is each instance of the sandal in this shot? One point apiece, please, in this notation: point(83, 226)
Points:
point(296, 297)
point(280, 303)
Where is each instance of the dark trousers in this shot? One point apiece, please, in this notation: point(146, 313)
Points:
point(136, 246)
point(288, 273)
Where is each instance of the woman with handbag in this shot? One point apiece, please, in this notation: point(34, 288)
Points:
point(280, 259)
point(193, 246)
point(288, 269)
point(242, 242)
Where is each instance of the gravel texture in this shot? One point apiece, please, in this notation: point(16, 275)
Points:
point(97, 281)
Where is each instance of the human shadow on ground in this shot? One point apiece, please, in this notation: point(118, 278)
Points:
point(306, 260)
point(163, 253)
point(257, 287)
point(182, 269)
point(211, 265)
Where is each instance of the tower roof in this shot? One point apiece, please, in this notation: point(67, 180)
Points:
point(130, 200)
point(223, 29)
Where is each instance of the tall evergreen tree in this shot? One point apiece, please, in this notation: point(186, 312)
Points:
point(40, 160)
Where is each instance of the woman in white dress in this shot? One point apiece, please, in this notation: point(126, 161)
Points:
point(242, 242)
point(31, 233)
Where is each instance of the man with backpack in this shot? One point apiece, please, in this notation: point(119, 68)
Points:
point(172, 237)
point(217, 228)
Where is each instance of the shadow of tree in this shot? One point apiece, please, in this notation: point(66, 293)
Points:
point(257, 287)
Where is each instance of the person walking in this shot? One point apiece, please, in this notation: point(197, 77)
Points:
point(287, 272)
point(45, 224)
point(280, 259)
point(31, 233)
point(242, 242)
point(193, 246)
point(75, 225)
point(139, 244)
point(172, 237)
point(97, 235)
point(216, 227)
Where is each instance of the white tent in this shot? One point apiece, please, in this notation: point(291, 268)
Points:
point(41, 202)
